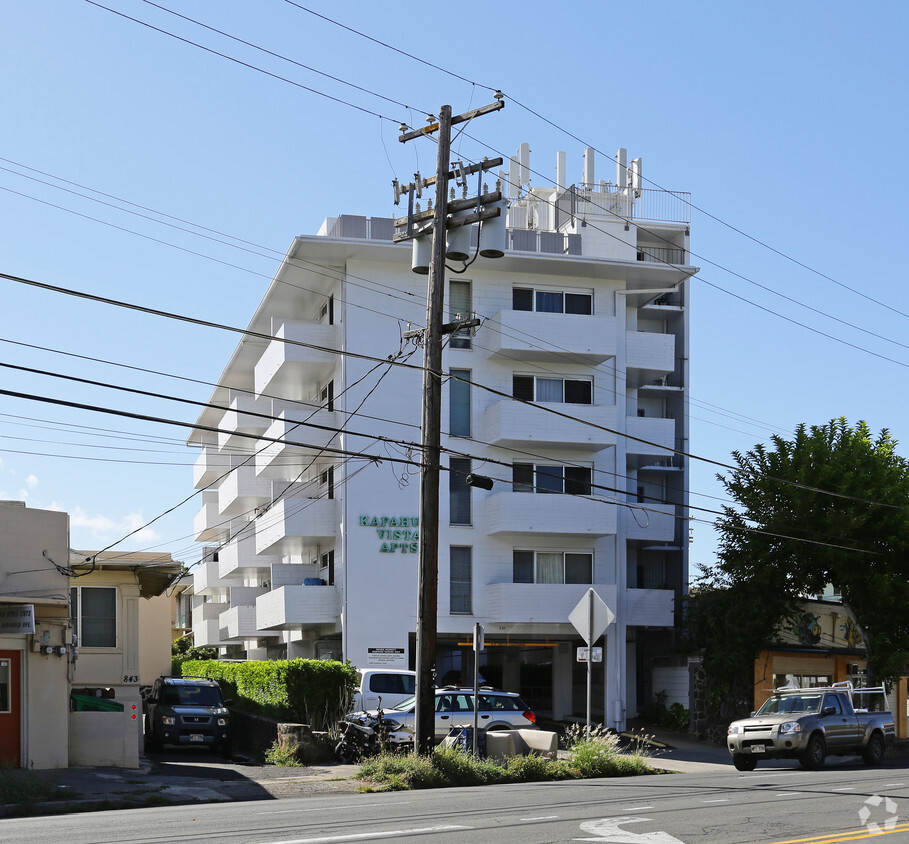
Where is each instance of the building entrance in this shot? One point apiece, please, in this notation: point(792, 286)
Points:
point(10, 708)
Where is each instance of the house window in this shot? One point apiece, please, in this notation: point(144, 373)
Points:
point(538, 477)
point(458, 491)
point(94, 611)
point(460, 306)
point(461, 579)
point(459, 403)
point(564, 390)
point(551, 301)
point(551, 567)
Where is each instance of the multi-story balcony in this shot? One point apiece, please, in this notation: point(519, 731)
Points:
point(648, 356)
point(294, 525)
point(654, 437)
point(551, 603)
point(513, 423)
point(241, 491)
point(210, 465)
point(238, 559)
point(208, 524)
point(548, 514)
point(206, 624)
point(292, 607)
point(239, 623)
point(244, 415)
point(300, 442)
point(284, 367)
point(567, 338)
point(650, 522)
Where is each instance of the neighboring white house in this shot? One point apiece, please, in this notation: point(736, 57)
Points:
point(312, 530)
point(122, 621)
point(78, 632)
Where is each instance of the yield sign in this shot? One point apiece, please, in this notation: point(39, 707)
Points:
point(591, 616)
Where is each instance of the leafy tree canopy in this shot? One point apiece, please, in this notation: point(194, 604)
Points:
point(829, 506)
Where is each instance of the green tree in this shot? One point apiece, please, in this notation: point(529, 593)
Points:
point(830, 505)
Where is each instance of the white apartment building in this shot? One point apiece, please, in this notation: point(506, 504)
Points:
point(311, 526)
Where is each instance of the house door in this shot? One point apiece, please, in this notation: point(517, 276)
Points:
point(10, 708)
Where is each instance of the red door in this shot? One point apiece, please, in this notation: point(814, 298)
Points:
point(10, 708)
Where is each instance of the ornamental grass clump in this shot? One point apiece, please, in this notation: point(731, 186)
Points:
point(599, 754)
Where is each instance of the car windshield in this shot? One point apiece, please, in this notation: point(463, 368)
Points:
point(192, 695)
point(780, 704)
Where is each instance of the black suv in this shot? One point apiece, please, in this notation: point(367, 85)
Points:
point(187, 710)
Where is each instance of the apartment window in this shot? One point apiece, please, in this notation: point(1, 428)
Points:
point(327, 311)
point(551, 478)
point(461, 579)
point(327, 482)
point(459, 403)
point(94, 611)
point(327, 563)
point(552, 567)
point(564, 390)
point(551, 301)
point(460, 306)
point(327, 396)
point(458, 491)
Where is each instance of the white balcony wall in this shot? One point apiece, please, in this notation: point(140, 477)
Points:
point(244, 415)
point(206, 623)
point(291, 607)
point(511, 423)
point(650, 607)
point(658, 435)
point(301, 442)
point(651, 521)
point(207, 580)
point(549, 515)
point(569, 338)
point(547, 603)
point(239, 623)
point(210, 465)
point(241, 491)
point(293, 371)
point(238, 557)
point(648, 356)
point(294, 525)
point(208, 524)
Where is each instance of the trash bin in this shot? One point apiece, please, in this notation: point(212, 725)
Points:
point(462, 739)
point(84, 703)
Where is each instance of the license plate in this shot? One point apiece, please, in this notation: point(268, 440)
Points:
point(196, 737)
point(758, 748)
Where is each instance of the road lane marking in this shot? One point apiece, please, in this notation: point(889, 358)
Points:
point(636, 808)
point(845, 788)
point(849, 835)
point(348, 806)
point(371, 836)
point(541, 818)
point(720, 800)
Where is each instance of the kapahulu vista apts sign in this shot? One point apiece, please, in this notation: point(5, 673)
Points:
point(397, 534)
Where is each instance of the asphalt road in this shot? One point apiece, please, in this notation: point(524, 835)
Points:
point(772, 805)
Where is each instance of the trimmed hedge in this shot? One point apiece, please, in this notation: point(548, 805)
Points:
point(305, 691)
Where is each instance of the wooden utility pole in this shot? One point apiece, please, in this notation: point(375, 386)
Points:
point(428, 580)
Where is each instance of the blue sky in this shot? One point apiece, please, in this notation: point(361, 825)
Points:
point(781, 119)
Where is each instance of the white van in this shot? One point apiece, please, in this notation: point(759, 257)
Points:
point(393, 685)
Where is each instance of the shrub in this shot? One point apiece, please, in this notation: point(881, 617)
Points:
point(674, 717)
point(282, 756)
point(307, 691)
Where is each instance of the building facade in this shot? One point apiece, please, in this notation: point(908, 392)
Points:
point(570, 396)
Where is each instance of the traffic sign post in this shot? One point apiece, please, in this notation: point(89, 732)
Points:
point(590, 618)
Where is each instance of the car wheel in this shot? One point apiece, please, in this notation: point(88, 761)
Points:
point(151, 745)
point(225, 749)
point(815, 754)
point(744, 761)
point(874, 750)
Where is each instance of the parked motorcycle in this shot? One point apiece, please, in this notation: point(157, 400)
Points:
point(362, 735)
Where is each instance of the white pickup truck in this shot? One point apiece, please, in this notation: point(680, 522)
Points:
point(392, 685)
point(810, 724)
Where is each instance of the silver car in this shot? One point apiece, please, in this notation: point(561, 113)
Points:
point(454, 708)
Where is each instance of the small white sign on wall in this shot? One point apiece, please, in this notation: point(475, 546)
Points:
point(386, 657)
